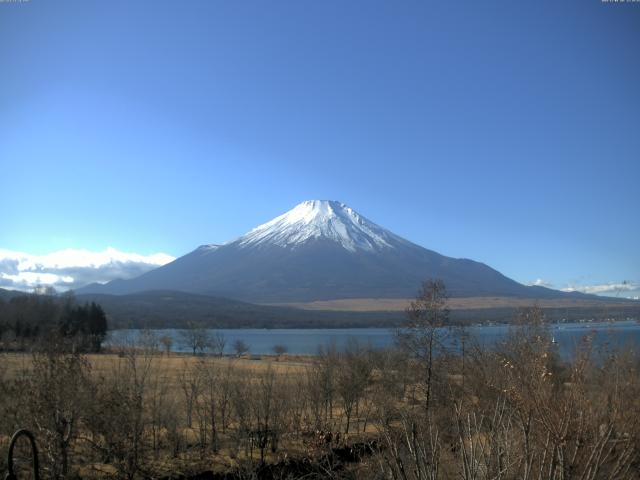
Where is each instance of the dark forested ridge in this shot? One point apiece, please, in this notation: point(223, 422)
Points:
point(28, 319)
point(173, 309)
point(6, 295)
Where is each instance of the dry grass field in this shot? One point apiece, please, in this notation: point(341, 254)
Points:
point(468, 303)
point(170, 366)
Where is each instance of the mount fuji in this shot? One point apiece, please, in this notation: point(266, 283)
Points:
point(320, 250)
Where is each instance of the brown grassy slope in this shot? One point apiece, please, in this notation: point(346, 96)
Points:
point(171, 366)
point(467, 303)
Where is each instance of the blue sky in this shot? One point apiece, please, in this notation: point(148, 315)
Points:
point(507, 132)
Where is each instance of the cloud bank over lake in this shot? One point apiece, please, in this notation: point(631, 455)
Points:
point(624, 289)
point(73, 268)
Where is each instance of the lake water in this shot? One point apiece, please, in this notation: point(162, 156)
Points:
point(307, 341)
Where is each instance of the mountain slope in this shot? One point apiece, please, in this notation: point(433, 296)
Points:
point(320, 250)
point(7, 295)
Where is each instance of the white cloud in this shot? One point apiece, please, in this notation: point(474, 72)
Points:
point(72, 268)
point(539, 282)
point(611, 288)
point(626, 289)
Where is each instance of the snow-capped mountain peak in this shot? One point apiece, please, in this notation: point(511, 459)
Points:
point(319, 250)
point(321, 219)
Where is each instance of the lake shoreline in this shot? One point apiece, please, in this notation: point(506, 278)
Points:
point(297, 341)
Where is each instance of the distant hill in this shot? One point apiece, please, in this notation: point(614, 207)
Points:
point(9, 294)
point(174, 309)
point(322, 250)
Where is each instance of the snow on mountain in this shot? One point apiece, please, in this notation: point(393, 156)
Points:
point(321, 219)
point(210, 247)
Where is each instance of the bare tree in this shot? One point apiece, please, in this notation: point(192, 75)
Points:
point(280, 350)
point(322, 379)
point(116, 418)
point(212, 401)
point(423, 334)
point(239, 395)
point(240, 347)
point(190, 385)
point(196, 338)
point(160, 406)
point(353, 375)
point(269, 402)
point(58, 393)
point(217, 343)
point(148, 342)
point(167, 342)
point(224, 391)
